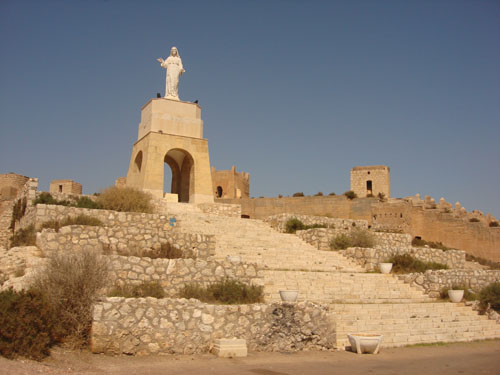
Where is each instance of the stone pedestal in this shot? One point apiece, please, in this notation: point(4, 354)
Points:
point(230, 348)
point(172, 132)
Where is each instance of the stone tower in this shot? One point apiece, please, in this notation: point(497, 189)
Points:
point(171, 132)
point(371, 180)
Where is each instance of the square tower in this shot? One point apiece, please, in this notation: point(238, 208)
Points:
point(371, 180)
point(171, 132)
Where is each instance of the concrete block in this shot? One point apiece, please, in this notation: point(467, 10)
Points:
point(230, 348)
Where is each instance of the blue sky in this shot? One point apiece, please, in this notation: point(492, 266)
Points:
point(294, 92)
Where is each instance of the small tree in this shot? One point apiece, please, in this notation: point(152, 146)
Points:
point(350, 194)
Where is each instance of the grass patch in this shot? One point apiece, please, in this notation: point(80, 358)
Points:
point(149, 289)
point(405, 263)
point(418, 242)
point(165, 251)
point(24, 237)
point(355, 238)
point(227, 291)
point(125, 199)
point(78, 220)
point(485, 262)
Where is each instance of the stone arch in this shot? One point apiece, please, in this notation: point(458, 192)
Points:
point(182, 165)
point(138, 162)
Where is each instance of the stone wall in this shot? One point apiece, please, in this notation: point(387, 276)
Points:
point(151, 326)
point(5, 220)
point(121, 238)
point(65, 186)
point(370, 258)
point(321, 237)
point(174, 274)
point(434, 281)
point(278, 222)
point(140, 221)
point(230, 183)
point(221, 209)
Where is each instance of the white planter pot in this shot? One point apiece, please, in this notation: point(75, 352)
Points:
point(385, 267)
point(289, 295)
point(365, 343)
point(455, 295)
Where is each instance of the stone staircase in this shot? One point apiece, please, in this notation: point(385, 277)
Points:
point(360, 302)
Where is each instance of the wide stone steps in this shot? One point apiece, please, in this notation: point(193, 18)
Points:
point(328, 287)
point(412, 323)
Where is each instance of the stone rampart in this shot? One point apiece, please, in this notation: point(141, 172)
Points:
point(5, 220)
point(370, 258)
point(434, 281)
point(121, 238)
point(174, 274)
point(278, 222)
point(152, 326)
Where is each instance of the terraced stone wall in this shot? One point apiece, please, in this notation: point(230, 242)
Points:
point(370, 258)
point(121, 238)
point(174, 274)
point(434, 281)
point(278, 222)
point(150, 326)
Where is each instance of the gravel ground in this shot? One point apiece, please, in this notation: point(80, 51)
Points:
point(462, 358)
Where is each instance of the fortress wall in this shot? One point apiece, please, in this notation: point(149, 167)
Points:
point(337, 206)
point(5, 220)
point(456, 232)
point(11, 185)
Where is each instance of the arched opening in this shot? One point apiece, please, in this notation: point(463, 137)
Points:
point(181, 165)
point(138, 162)
point(219, 191)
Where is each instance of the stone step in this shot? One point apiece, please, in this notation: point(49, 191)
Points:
point(412, 323)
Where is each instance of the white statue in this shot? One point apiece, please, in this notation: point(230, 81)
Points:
point(174, 67)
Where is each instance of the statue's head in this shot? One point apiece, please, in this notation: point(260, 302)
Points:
point(174, 52)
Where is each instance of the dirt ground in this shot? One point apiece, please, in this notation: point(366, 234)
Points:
point(460, 358)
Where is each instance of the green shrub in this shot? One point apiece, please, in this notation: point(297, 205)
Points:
point(474, 220)
point(489, 295)
point(350, 194)
point(418, 242)
point(341, 242)
point(318, 194)
point(355, 238)
point(405, 263)
point(228, 291)
point(332, 193)
point(24, 237)
point(300, 194)
point(125, 199)
point(70, 282)
point(18, 211)
point(86, 202)
point(45, 198)
point(146, 289)
point(485, 262)
point(493, 224)
point(29, 325)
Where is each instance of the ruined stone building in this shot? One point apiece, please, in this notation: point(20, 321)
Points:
point(371, 180)
point(65, 187)
point(230, 183)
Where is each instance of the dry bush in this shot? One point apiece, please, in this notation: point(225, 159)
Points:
point(125, 199)
point(70, 282)
point(356, 238)
point(23, 237)
point(165, 251)
point(227, 291)
point(146, 289)
point(78, 220)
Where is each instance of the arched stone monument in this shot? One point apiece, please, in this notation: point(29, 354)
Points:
point(171, 132)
